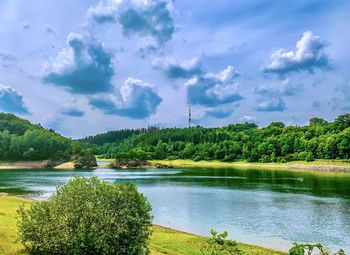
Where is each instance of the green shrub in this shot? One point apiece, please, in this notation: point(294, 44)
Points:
point(218, 244)
point(265, 159)
point(88, 216)
point(309, 157)
point(302, 249)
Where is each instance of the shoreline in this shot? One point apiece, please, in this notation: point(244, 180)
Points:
point(320, 166)
point(164, 240)
point(30, 164)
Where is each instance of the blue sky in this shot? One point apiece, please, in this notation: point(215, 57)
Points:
point(88, 66)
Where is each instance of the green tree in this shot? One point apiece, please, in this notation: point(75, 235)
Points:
point(88, 216)
point(317, 121)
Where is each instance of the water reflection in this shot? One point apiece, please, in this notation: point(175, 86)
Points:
point(271, 208)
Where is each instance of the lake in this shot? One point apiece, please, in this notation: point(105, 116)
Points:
point(270, 208)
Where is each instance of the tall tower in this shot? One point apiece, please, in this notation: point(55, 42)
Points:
point(189, 117)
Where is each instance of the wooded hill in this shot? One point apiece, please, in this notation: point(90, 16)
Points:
point(21, 140)
point(274, 143)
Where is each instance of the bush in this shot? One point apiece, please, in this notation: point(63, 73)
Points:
point(265, 159)
point(219, 245)
point(302, 249)
point(309, 157)
point(88, 216)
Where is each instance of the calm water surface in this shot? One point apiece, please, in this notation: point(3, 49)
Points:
point(271, 208)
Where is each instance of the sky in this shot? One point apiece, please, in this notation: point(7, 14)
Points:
point(89, 66)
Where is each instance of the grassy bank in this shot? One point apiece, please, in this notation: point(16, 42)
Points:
point(317, 165)
point(163, 240)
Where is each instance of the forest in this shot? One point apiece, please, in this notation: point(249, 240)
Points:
point(21, 140)
point(245, 141)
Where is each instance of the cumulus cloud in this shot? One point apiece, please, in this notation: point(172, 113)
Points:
point(83, 67)
point(72, 111)
point(271, 105)
point(308, 55)
point(135, 99)
point(11, 101)
point(213, 90)
point(174, 69)
point(146, 18)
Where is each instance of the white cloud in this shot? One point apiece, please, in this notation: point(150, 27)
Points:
point(11, 101)
point(174, 69)
point(248, 118)
point(308, 55)
point(213, 90)
point(84, 67)
point(146, 18)
point(135, 99)
point(271, 105)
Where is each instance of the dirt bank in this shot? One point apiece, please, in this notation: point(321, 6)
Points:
point(28, 164)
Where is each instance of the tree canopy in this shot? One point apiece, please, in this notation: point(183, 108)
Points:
point(273, 143)
point(88, 216)
point(21, 140)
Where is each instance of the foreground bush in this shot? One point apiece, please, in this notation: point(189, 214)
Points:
point(88, 216)
point(218, 244)
point(302, 249)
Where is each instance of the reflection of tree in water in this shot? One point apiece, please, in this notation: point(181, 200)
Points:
point(272, 180)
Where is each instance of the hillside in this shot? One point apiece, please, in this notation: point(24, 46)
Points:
point(21, 140)
point(274, 143)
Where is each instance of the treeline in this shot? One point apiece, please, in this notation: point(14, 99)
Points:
point(115, 136)
point(274, 143)
point(21, 140)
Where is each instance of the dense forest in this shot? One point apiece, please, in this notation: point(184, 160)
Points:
point(21, 140)
point(274, 143)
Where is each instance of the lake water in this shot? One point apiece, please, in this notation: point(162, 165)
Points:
point(270, 208)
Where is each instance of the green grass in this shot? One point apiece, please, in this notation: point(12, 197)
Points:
point(303, 166)
point(163, 240)
point(168, 241)
point(98, 157)
point(8, 228)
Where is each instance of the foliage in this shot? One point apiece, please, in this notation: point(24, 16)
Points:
point(219, 245)
point(274, 143)
point(163, 240)
point(302, 249)
point(88, 216)
point(85, 161)
point(21, 140)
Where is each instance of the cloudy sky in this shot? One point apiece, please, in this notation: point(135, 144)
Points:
point(87, 66)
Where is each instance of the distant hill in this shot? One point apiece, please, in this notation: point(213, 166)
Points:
point(110, 137)
point(274, 143)
point(22, 140)
point(14, 124)
point(116, 136)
